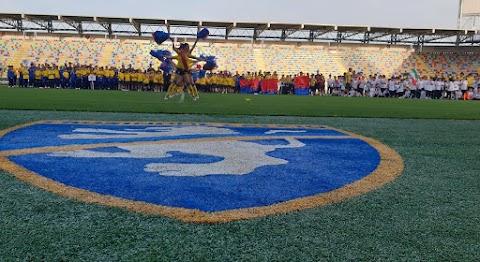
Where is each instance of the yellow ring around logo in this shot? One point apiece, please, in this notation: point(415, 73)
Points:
point(390, 167)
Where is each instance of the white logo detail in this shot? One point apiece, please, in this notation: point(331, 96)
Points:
point(239, 157)
point(99, 133)
point(273, 132)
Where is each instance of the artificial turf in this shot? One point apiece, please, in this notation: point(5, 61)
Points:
point(218, 104)
point(429, 214)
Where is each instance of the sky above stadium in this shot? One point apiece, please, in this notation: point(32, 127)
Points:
point(391, 13)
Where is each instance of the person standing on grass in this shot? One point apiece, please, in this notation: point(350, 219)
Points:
point(391, 87)
point(439, 86)
point(25, 76)
point(313, 86)
point(450, 88)
point(463, 84)
point(31, 75)
point(11, 77)
point(400, 88)
point(475, 86)
point(420, 87)
point(457, 90)
point(382, 82)
point(349, 77)
point(331, 85)
point(412, 88)
point(320, 83)
point(429, 84)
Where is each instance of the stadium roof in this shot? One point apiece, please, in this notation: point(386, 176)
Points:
point(112, 26)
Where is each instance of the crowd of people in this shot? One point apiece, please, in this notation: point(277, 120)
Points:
point(407, 85)
point(351, 83)
point(71, 76)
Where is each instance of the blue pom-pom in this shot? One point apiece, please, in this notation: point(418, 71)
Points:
point(211, 62)
point(160, 37)
point(204, 33)
point(167, 65)
point(160, 54)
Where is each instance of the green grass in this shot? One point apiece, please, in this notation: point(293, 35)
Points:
point(431, 213)
point(217, 104)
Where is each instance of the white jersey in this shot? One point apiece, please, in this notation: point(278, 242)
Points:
point(464, 85)
point(428, 85)
point(391, 86)
point(458, 94)
point(331, 82)
point(439, 84)
point(383, 83)
point(399, 87)
point(456, 86)
point(408, 93)
point(451, 86)
point(362, 84)
point(371, 83)
point(421, 84)
point(354, 84)
point(411, 85)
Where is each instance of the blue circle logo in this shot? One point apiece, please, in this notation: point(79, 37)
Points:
point(203, 173)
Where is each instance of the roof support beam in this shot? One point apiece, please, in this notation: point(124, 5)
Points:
point(288, 32)
point(316, 34)
point(75, 24)
point(169, 28)
point(229, 29)
point(366, 38)
point(339, 37)
point(15, 23)
point(42, 23)
point(436, 37)
point(257, 31)
point(107, 26)
point(379, 36)
point(394, 39)
point(137, 26)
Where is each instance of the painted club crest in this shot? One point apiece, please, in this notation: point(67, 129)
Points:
point(202, 173)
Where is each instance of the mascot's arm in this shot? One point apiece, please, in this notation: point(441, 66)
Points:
point(173, 46)
point(194, 45)
point(198, 58)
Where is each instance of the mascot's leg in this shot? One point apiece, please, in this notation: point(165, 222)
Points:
point(195, 91)
point(175, 88)
point(192, 88)
point(171, 89)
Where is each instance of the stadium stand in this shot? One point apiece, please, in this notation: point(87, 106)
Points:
point(56, 51)
point(452, 62)
point(375, 60)
point(8, 51)
point(290, 60)
point(241, 57)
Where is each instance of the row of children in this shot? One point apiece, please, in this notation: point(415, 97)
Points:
point(85, 77)
point(66, 76)
point(406, 86)
point(80, 77)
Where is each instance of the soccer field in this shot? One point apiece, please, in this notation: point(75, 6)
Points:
point(218, 104)
point(430, 213)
